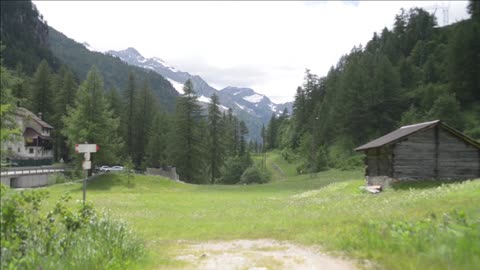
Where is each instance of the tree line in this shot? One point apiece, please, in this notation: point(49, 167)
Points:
point(413, 73)
point(206, 146)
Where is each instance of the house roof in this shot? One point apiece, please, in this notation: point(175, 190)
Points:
point(26, 113)
point(405, 131)
point(31, 133)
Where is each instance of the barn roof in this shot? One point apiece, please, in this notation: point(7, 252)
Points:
point(405, 131)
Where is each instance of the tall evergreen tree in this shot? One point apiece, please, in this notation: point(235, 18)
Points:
point(272, 132)
point(65, 97)
point(115, 101)
point(41, 91)
point(187, 147)
point(473, 9)
point(129, 117)
point(91, 120)
point(157, 143)
point(231, 134)
point(264, 138)
point(145, 110)
point(215, 137)
point(242, 132)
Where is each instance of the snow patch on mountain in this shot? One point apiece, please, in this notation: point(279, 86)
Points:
point(246, 109)
point(254, 98)
point(163, 63)
point(178, 86)
point(240, 106)
point(204, 99)
point(273, 107)
point(90, 48)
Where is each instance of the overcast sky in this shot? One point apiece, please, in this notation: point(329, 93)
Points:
point(262, 45)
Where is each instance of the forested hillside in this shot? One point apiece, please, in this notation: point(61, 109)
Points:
point(26, 32)
point(412, 73)
point(114, 71)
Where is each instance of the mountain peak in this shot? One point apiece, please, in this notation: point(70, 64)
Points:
point(133, 51)
point(243, 91)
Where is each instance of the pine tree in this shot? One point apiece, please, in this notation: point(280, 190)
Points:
point(263, 134)
point(156, 149)
point(187, 147)
point(66, 88)
point(271, 132)
point(145, 110)
point(117, 107)
point(242, 132)
point(115, 102)
point(215, 137)
point(473, 9)
point(231, 138)
point(21, 88)
point(91, 120)
point(129, 117)
point(42, 92)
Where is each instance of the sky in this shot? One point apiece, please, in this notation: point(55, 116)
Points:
point(265, 46)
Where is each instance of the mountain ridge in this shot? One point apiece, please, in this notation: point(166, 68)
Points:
point(253, 108)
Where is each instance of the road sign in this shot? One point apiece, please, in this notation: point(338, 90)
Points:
point(87, 165)
point(86, 156)
point(86, 148)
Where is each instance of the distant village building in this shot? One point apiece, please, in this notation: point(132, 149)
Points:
point(34, 147)
point(430, 150)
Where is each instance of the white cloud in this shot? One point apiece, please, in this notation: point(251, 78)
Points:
point(262, 45)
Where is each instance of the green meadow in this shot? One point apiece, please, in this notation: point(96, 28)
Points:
point(416, 226)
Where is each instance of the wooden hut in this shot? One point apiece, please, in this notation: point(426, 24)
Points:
point(430, 150)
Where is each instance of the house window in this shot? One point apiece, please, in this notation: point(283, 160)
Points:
point(18, 149)
point(30, 150)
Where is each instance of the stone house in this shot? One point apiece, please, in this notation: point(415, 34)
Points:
point(35, 146)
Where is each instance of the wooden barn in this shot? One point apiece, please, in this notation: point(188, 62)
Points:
point(430, 150)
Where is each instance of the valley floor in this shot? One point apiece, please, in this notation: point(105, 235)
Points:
point(423, 226)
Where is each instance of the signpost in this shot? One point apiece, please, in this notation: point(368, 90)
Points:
point(87, 163)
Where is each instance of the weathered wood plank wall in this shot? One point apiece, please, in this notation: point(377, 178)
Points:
point(456, 158)
point(379, 161)
point(414, 156)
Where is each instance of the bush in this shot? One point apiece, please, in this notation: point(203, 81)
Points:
point(234, 168)
point(254, 175)
point(62, 239)
point(351, 163)
point(289, 155)
point(57, 178)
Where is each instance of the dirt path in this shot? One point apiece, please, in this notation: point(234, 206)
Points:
point(260, 254)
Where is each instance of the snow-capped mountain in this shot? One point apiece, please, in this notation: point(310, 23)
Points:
point(177, 78)
point(253, 108)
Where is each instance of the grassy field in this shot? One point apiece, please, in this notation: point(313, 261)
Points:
point(427, 226)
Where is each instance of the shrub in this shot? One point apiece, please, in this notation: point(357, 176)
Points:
point(289, 155)
point(254, 175)
point(234, 168)
point(57, 178)
point(351, 163)
point(62, 239)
